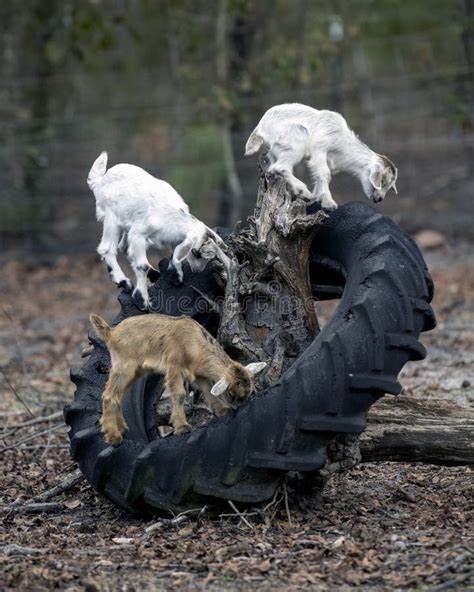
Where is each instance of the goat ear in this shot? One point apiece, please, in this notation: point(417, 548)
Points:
point(254, 143)
point(376, 179)
point(220, 387)
point(395, 190)
point(256, 367)
point(182, 251)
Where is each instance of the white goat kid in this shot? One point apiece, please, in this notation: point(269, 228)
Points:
point(293, 132)
point(139, 211)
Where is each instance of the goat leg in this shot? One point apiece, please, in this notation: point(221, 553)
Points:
point(174, 384)
point(141, 267)
point(321, 175)
point(298, 188)
point(107, 249)
point(112, 421)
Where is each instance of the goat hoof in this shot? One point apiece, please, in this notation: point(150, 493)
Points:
point(330, 207)
point(174, 275)
point(153, 275)
point(182, 429)
point(139, 301)
point(113, 437)
point(125, 285)
point(305, 195)
point(176, 280)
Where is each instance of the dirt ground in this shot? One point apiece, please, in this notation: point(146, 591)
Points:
point(384, 526)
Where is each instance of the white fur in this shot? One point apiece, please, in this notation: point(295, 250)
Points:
point(294, 132)
point(139, 211)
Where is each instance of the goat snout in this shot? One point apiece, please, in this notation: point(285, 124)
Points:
point(377, 197)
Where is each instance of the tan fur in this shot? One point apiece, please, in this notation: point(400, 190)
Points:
point(180, 349)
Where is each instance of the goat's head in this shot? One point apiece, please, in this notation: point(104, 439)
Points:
point(202, 252)
point(238, 382)
point(381, 177)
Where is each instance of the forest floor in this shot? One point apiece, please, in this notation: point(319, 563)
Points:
point(384, 526)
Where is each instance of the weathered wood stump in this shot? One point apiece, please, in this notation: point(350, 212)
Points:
point(268, 311)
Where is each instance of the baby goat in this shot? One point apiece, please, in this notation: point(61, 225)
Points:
point(291, 133)
point(182, 350)
point(139, 211)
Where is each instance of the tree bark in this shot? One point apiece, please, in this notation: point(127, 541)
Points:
point(269, 312)
point(411, 430)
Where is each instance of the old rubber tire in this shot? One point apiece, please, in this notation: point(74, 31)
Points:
point(381, 277)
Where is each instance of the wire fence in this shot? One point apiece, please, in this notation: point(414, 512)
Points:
point(414, 107)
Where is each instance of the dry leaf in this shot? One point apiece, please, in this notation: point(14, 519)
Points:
point(122, 541)
point(264, 566)
point(71, 504)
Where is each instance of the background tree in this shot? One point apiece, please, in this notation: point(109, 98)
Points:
point(177, 86)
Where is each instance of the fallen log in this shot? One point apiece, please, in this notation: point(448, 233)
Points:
point(402, 429)
point(413, 430)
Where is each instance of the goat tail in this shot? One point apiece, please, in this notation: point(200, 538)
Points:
point(98, 169)
point(101, 327)
point(254, 143)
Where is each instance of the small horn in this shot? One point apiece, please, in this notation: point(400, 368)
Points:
point(395, 190)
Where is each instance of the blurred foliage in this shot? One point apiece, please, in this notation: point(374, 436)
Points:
point(140, 78)
point(202, 169)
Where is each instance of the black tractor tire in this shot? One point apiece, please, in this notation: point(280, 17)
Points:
point(360, 256)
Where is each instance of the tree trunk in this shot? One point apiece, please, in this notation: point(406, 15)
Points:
point(413, 430)
point(222, 63)
point(269, 312)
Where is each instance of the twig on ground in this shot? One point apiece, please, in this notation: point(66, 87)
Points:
point(200, 510)
point(276, 500)
point(42, 419)
point(273, 501)
point(11, 413)
point(232, 514)
point(32, 437)
point(67, 483)
point(39, 446)
point(454, 583)
point(13, 550)
point(33, 508)
point(287, 507)
point(47, 447)
point(154, 526)
point(167, 522)
point(15, 392)
point(239, 514)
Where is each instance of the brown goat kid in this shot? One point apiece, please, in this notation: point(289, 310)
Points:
point(182, 350)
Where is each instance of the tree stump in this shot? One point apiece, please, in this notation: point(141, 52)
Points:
point(268, 312)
